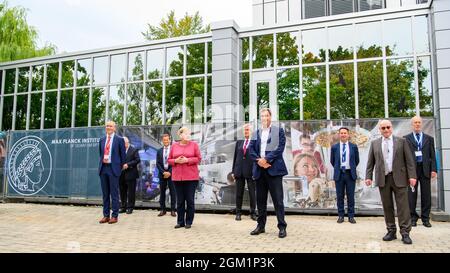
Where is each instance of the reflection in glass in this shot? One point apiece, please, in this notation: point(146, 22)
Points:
point(397, 36)
point(421, 38)
point(258, 15)
point(68, 69)
point(82, 108)
point(8, 104)
point(52, 76)
point(50, 110)
point(288, 94)
point(209, 57)
point(314, 93)
point(314, 45)
point(35, 111)
point(370, 4)
point(195, 100)
point(116, 103)
point(65, 110)
point(37, 83)
point(84, 72)
point(135, 99)
point(209, 112)
point(283, 12)
point(10, 81)
point(118, 68)
point(174, 102)
point(262, 95)
point(245, 53)
point(341, 43)
point(341, 6)
point(269, 13)
point(154, 103)
point(155, 64)
point(287, 49)
point(24, 78)
point(263, 51)
point(371, 89)
point(136, 66)
point(245, 91)
point(174, 64)
point(313, 8)
point(401, 94)
point(368, 40)
point(100, 70)
point(21, 112)
point(342, 91)
point(195, 59)
point(425, 86)
point(98, 106)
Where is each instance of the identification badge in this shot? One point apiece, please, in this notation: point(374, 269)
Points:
point(106, 158)
point(418, 153)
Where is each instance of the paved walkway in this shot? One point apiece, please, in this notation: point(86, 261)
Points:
point(52, 228)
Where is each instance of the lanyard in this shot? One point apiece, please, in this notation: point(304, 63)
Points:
point(419, 141)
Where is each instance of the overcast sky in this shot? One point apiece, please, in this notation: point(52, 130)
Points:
point(76, 25)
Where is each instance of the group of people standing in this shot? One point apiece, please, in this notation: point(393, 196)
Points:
point(395, 163)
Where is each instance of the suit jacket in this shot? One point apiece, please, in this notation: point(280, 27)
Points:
point(336, 160)
point(117, 154)
point(428, 152)
point(403, 163)
point(132, 159)
point(242, 165)
point(160, 163)
point(274, 152)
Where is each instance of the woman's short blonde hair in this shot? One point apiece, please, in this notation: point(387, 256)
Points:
point(183, 130)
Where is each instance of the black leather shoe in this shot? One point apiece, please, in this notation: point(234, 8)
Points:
point(238, 217)
point(188, 226)
point(257, 231)
point(282, 233)
point(391, 235)
point(122, 210)
point(340, 220)
point(179, 226)
point(406, 239)
point(352, 220)
point(414, 223)
point(254, 217)
point(427, 224)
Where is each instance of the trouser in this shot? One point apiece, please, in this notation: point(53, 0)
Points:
point(162, 197)
point(273, 184)
point(346, 186)
point(185, 201)
point(110, 191)
point(401, 200)
point(425, 196)
point(240, 188)
point(127, 193)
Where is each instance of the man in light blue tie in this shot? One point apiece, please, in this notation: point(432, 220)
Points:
point(345, 159)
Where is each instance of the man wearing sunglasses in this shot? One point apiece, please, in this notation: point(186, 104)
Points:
point(391, 159)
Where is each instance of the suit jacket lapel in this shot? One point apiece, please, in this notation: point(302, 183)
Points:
point(395, 146)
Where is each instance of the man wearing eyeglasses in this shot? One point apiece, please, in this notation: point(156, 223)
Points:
point(391, 159)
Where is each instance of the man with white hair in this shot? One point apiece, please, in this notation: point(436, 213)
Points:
point(128, 178)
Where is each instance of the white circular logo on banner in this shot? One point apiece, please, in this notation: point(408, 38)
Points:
point(29, 165)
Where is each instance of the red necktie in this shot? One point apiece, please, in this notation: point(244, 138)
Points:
point(107, 149)
point(245, 146)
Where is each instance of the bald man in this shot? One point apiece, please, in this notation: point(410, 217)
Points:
point(422, 148)
point(391, 159)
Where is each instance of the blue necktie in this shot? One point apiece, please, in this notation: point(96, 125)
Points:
point(344, 156)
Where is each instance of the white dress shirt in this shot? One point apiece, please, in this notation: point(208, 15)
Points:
point(265, 132)
point(389, 152)
point(110, 146)
point(345, 163)
point(166, 152)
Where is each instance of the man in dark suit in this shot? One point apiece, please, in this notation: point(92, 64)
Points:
point(165, 178)
point(128, 178)
point(422, 147)
point(391, 159)
point(345, 159)
point(112, 158)
point(242, 171)
point(266, 151)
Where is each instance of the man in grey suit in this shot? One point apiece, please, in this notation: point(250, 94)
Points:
point(394, 166)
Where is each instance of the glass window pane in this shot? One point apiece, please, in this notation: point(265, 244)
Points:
point(24, 79)
point(209, 57)
point(52, 76)
point(401, 91)
point(100, 70)
point(371, 89)
point(195, 100)
point(341, 6)
point(68, 69)
point(370, 4)
point(397, 37)
point(118, 68)
point(50, 110)
point(155, 64)
point(287, 49)
point(136, 66)
point(342, 91)
point(135, 94)
point(38, 78)
point(314, 93)
point(116, 103)
point(245, 53)
point(258, 15)
point(314, 45)
point(282, 12)
point(209, 101)
point(10, 81)
point(65, 110)
point(82, 108)
point(1, 82)
point(368, 40)
point(8, 104)
point(262, 95)
point(425, 86)
point(174, 102)
point(84, 72)
point(98, 106)
point(269, 13)
point(21, 112)
point(421, 37)
point(313, 8)
point(245, 91)
point(154, 102)
point(174, 65)
point(195, 59)
point(35, 111)
point(263, 51)
point(341, 43)
point(288, 94)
